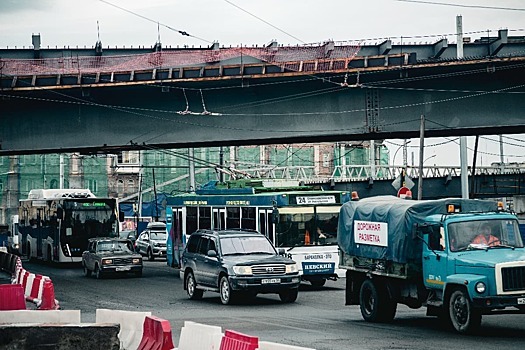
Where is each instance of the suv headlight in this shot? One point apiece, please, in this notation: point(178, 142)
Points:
point(242, 270)
point(292, 268)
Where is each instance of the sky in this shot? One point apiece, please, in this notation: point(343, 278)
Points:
point(133, 23)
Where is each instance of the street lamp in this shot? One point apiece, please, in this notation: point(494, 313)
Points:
point(395, 153)
point(428, 158)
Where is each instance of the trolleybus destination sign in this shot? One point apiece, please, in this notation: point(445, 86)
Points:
point(315, 200)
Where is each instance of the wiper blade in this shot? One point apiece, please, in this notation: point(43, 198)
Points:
point(502, 246)
point(260, 253)
point(472, 247)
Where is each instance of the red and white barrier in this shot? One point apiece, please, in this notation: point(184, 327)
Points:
point(38, 289)
point(237, 341)
point(197, 336)
point(156, 335)
point(131, 325)
point(12, 297)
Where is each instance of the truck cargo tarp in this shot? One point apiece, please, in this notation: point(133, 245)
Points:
point(401, 215)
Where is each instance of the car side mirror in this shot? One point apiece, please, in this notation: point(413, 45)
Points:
point(212, 253)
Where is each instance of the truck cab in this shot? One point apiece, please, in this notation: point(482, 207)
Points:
point(475, 263)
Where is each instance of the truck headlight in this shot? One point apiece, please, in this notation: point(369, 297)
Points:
point(291, 268)
point(480, 287)
point(242, 270)
point(107, 262)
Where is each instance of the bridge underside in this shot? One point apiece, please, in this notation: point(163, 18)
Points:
point(455, 98)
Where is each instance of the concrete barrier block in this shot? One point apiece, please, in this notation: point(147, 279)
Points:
point(131, 325)
point(40, 316)
point(86, 336)
point(266, 345)
point(198, 336)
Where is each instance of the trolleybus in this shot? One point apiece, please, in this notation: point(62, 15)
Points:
point(55, 224)
point(300, 219)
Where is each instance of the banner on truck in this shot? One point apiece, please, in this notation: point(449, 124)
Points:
point(371, 233)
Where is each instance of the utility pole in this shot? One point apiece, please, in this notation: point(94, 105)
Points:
point(463, 139)
point(192, 169)
point(421, 158)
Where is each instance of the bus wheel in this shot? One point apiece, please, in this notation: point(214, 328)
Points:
point(49, 256)
point(318, 283)
point(98, 272)
point(29, 257)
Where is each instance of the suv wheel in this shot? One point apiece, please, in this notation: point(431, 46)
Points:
point(227, 295)
point(191, 287)
point(289, 295)
point(150, 255)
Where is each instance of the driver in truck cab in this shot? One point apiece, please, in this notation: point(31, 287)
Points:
point(486, 237)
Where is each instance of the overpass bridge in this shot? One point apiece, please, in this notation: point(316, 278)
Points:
point(106, 100)
point(438, 181)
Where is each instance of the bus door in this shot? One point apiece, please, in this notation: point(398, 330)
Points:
point(219, 218)
point(266, 224)
point(176, 236)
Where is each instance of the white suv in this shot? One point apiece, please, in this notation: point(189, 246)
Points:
point(152, 241)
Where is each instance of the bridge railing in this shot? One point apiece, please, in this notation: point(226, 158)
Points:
point(349, 173)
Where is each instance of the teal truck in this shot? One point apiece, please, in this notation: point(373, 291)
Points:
point(429, 254)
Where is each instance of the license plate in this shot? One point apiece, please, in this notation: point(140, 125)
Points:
point(521, 301)
point(125, 268)
point(270, 280)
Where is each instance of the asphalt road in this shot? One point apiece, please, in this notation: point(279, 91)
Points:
point(318, 319)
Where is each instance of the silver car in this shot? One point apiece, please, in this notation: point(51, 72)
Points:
point(152, 241)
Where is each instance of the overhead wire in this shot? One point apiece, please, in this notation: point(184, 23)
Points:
point(181, 32)
point(463, 5)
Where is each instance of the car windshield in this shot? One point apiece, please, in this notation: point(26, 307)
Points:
point(158, 235)
point(246, 245)
point(113, 246)
point(127, 234)
point(484, 234)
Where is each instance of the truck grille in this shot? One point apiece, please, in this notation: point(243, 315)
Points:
point(513, 278)
point(268, 269)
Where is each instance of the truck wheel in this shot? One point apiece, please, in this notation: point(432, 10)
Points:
point(289, 295)
point(191, 287)
point(463, 317)
point(375, 303)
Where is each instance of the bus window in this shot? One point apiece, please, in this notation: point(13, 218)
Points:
point(233, 217)
point(248, 218)
point(191, 220)
point(204, 218)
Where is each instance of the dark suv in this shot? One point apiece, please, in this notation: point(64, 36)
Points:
point(234, 263)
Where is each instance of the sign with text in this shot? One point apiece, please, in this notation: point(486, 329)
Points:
point(304, 200)
point(371, 233)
